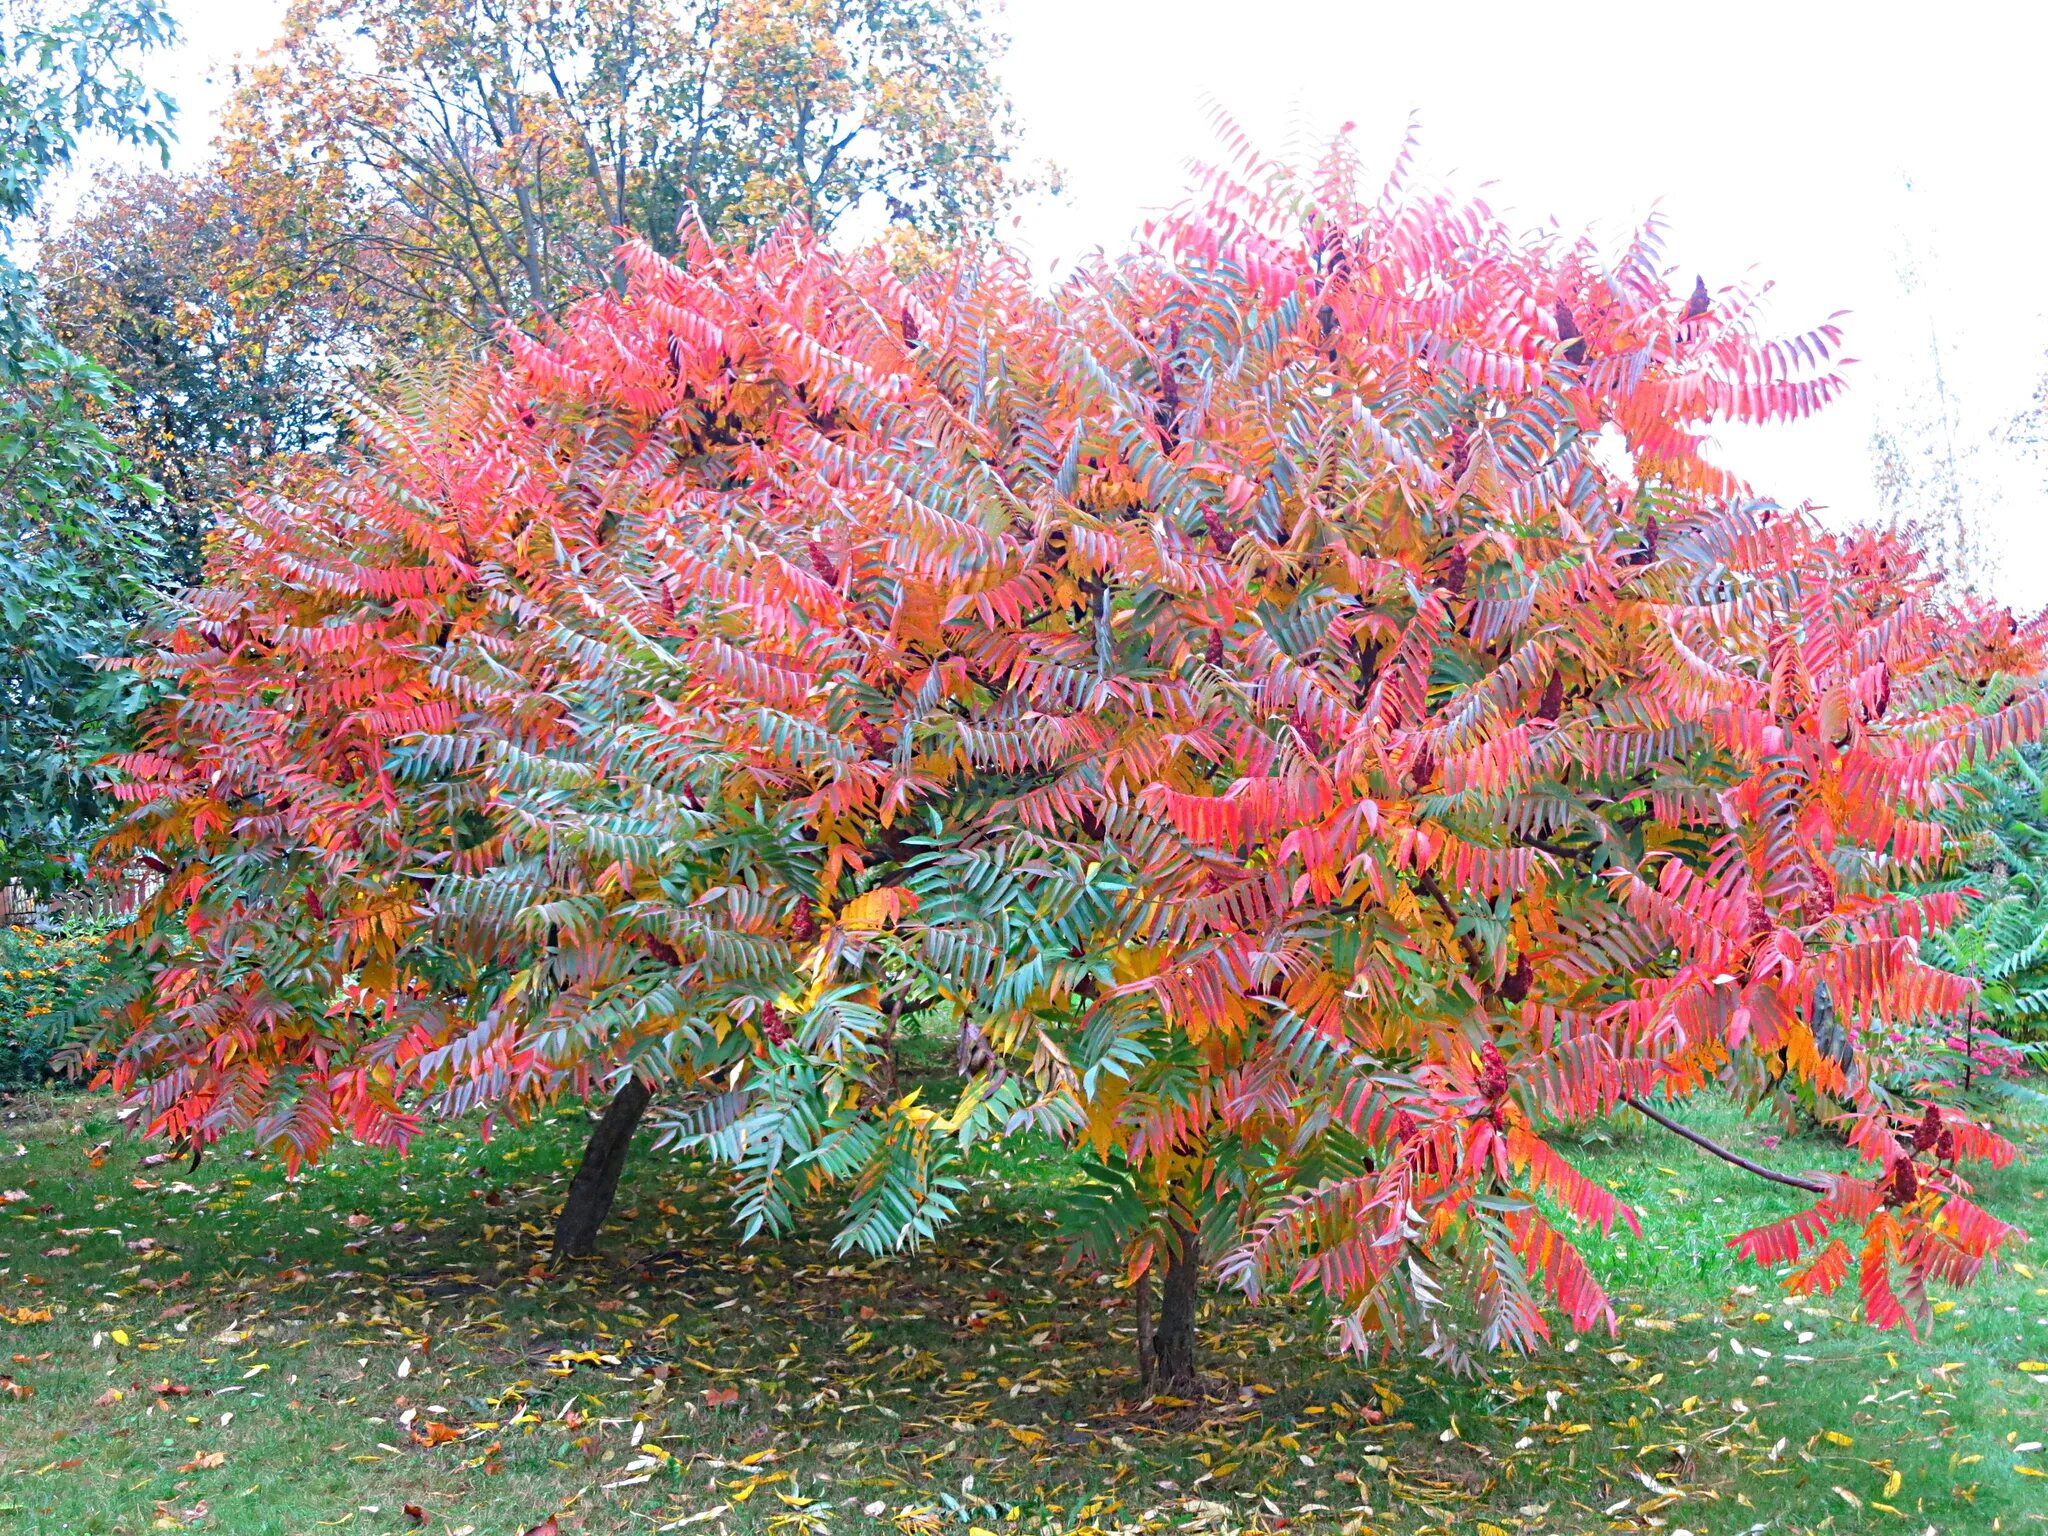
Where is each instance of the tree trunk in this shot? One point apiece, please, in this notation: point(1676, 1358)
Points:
point(1141, 1305)
point(597, 1180)
point(1173, 1340)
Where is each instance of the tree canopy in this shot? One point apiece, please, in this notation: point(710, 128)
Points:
point(1299, 697)
point(457, 164)
point(80, 546)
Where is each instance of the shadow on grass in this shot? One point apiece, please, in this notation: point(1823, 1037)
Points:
point(376, 1346)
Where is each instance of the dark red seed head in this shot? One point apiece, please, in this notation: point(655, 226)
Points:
point(1422, 771)
point(1454, 571)
point(1515, 988)
point(1493, 1071)
point(1904, 1185)
point(1758, 916)
point(1928, 1131)
point(821, 563)
point(1821, 899)
point(1219, 534)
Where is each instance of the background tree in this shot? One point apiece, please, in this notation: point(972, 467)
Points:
point(464, 163)
point(2000, 825)
point(222, 366)
point(79, 543)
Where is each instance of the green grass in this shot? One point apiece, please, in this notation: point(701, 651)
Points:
point(305, 1332)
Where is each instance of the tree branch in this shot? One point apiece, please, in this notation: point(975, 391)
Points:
point(1812, 1186)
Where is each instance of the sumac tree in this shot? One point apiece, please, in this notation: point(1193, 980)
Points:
point(1299, 695)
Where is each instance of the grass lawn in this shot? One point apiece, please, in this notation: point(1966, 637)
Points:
point(374, 1347)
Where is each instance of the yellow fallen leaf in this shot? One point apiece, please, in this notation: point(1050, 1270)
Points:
point(753, 1485)
point(2034, 1365)
point(1893, 1483)
point(120, 1336)
point(1836, 1437)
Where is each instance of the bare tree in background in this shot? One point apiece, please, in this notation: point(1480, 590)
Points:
point(1927, 464)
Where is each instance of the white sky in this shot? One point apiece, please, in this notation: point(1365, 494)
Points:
point(1824, 146)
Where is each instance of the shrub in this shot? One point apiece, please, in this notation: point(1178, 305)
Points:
point(42, 975)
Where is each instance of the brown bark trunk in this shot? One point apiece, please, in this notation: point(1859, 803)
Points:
point(1141, 1304)
point(1173, 1341)
point(597, 1181)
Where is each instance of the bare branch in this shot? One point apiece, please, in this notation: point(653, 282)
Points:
point(1812, 1186)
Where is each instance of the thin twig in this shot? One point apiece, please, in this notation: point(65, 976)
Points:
point(1812, 1186)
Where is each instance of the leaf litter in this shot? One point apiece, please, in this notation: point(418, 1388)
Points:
point(393, 1325)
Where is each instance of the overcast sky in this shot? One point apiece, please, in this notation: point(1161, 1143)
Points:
point(1873, 159)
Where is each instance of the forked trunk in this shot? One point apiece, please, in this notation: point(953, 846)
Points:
point(1173, 1339)
point(597, 1181)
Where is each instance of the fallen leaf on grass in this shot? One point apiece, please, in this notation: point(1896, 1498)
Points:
point(434, 1432)
point(547, 1527)
point(21, 1317)
point(721, 1397)
point(108, 1398)
point(415, 1514)
point(205, 1461)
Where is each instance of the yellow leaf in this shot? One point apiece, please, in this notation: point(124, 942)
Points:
point(1893, 1484)
point(872, 911)
point(1488, 1528)
point(2030, 1472)
point(2034, 1365)
point(120, 1336)
point(1836, 1437)
point(1101, 1128)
